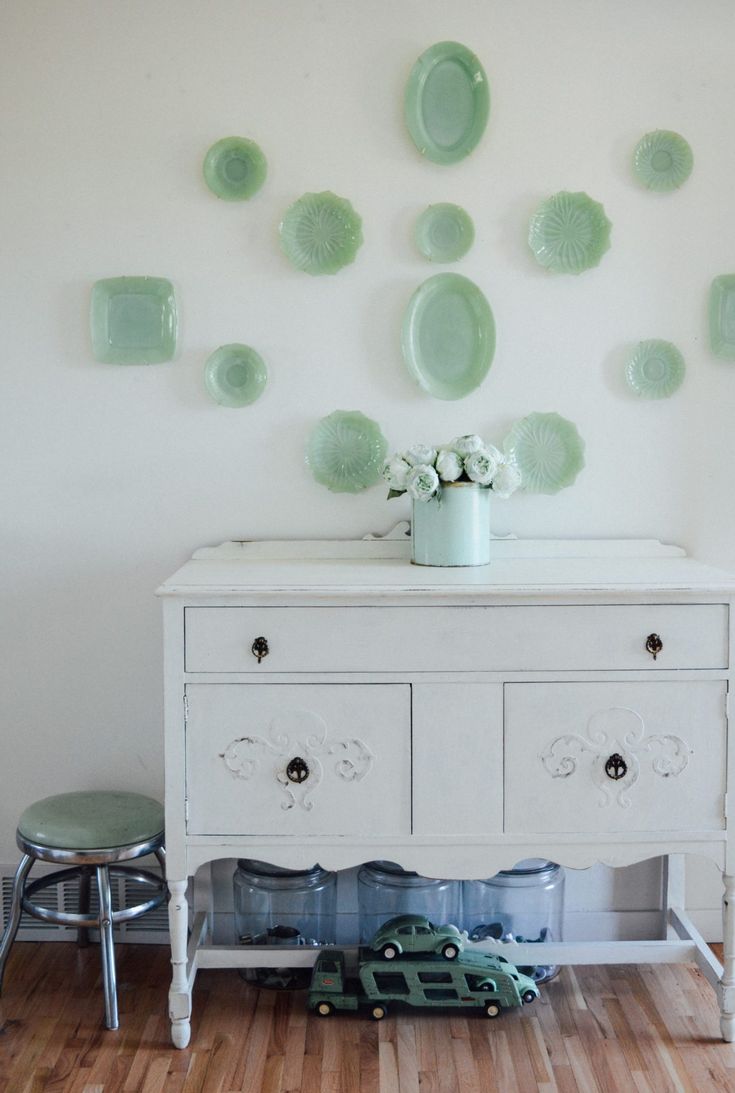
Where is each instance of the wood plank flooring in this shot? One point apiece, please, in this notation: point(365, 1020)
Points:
point(651, 1029)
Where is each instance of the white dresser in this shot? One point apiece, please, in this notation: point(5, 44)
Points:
point(331, 702)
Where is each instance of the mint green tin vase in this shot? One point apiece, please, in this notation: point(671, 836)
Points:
point(453, 528)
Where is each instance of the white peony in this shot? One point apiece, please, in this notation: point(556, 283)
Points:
point(422, 482)
point(449, 466)
point(466, 445)
point(507, 479)
point(420, 456)
point(395, 471)
point(481, 466)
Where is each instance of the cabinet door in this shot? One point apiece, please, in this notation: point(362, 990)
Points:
point(615, 757)
point(457, 758)
point(298, 759)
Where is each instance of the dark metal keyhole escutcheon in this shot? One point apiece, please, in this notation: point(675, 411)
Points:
point(654, 645)
point(616, 767)
point(297, 770)
point(259, 648)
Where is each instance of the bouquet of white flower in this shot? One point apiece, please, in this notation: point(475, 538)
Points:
point(420, 471)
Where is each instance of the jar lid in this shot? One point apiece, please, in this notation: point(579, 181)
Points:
point(531, 867)
point(265, 869)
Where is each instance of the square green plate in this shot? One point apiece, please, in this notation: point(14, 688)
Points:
point(133, 320)
point(722, 315)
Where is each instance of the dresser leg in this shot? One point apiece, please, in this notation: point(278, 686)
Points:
point(727, 983)
point(179, 998)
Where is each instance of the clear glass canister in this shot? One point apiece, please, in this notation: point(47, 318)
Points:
point(275, 906)
point(384, 889)
point(521, 904)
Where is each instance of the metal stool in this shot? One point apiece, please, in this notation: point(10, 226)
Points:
point(89, 832)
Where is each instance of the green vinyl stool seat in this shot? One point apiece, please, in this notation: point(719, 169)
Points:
point(88, 832)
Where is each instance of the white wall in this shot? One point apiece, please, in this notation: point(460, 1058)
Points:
point(113, 475)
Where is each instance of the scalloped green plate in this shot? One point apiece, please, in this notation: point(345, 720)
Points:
point(548, 451)
point(722, 315)
point(235, 168)
point(321, 233)
point(655, 370)
point(346, 451)
point(662, 160)
point(133, 320)
point(447, 102)
point(444, 232)
point(448, 336)
point(569, 232)
point(235, 375)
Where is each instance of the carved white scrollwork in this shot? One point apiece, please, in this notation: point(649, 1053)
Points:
point(615, 738)
point(297, 747)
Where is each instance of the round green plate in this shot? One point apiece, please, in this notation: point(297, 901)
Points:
point(569, 233)
point(662, 160)
point(447, 102)
point(321, 233)
point(345, 451)
point(235, 375)
point(655, 370)
point(548, 451)
point(444, 232)
point(235, 168)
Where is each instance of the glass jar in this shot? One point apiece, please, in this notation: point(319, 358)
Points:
point(384, 889)
point(275, 906)
point(521, 904)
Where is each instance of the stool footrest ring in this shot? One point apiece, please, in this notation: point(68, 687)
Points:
point(68, 918)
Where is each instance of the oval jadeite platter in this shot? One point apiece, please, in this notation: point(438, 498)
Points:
point(662, 160)
point(444, 232)
point(655, 369)
point(345, 451)
point(548, 451)
point(321, 233)
point(235, 375)
point(448, 336)
point(569, 232)
point(447, 102)
point(235, 168)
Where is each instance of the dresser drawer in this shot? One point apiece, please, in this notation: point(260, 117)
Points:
point(424, 639)
point(298, 759)
point(615, 757)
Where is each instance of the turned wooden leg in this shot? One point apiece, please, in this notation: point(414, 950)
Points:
point(727, 983)
point(179, 998)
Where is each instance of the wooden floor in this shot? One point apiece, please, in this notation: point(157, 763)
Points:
point(611, 1028)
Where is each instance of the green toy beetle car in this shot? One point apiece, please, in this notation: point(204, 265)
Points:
point(415, 934)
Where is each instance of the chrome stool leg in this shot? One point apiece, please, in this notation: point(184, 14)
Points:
point(83, 908)
point(107, 946)
point(16, 906)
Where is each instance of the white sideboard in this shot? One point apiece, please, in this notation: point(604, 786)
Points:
point(331, 702)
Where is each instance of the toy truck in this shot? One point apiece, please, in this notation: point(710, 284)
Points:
point(479, 980)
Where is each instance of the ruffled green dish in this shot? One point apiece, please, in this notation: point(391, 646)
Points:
point(655, 370)
point(235, 375)
point(569, 233)
point(346, 451)
point(444, 232)
point(548, 451)
point(235, 168)
point(662, 160)
point(321, 233)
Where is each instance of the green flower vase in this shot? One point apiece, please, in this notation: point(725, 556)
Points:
point(453, 528)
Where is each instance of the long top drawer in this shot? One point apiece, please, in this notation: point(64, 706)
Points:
point(423, 639)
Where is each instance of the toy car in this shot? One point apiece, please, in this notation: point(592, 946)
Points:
point(415, 934)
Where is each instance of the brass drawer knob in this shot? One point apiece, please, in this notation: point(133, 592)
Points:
point(259, 648)
point(616, 767)
point(297, 770)
point(654, 645)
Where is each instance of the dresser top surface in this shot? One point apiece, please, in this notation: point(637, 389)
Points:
point(381, 567)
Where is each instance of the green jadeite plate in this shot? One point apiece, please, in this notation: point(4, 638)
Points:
point(569, 232)
point(447, 102)
point(345, 451)
point(133, 320)
point(235, 375)
point(235, 168)
point(655, 369)
point(444, 232)
point(321, 233)
point(448, 336)
point(662, 160)
point(722, 315)
point(548, 451)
